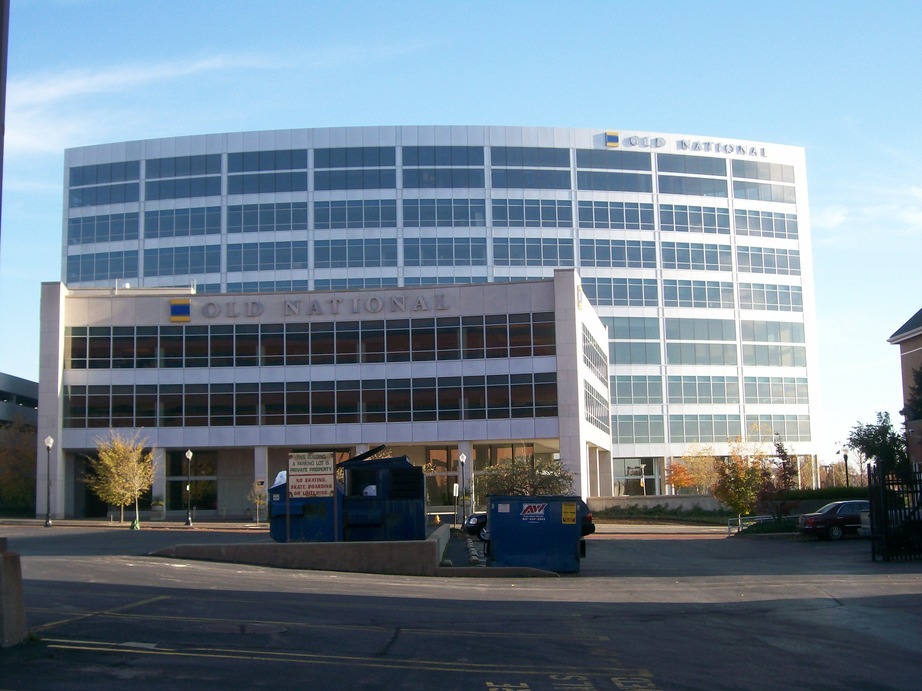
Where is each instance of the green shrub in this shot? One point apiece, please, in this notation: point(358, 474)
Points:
point(659, 513)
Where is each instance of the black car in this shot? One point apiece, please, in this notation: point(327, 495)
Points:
point(834, 520)
point(476, 525)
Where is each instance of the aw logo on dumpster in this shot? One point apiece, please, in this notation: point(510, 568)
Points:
point(533, 513)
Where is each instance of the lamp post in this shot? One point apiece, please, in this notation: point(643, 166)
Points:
point(189, 488)
point(461, 458)
point(49, 442)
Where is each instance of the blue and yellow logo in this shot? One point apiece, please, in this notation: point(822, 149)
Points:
point(612, 139)
point(181, 310)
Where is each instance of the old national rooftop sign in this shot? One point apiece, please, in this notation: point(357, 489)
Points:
point(414, 303)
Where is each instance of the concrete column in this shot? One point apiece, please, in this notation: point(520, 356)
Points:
point(13, 628)
point(159, 487)
point(261, 464)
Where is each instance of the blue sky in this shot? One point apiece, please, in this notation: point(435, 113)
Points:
point(841, 79)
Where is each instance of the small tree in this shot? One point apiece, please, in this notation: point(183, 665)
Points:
point(779, 478)
point(739, 478)
point(257, 497)
point(526, 476)
point(883, 444)
point(701, 463)
point(680, 477)
point(121, 472)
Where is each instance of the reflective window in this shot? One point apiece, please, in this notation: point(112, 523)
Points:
point(703, 389)
point(103, 195)
point(634, 352)
point(107, 228)
point(356, 179)
point(102, 266)
point(632, 328)
point(776, 390)
point(704, 428)
point(636, 389)
point(182, 166)
point(532, 213)
point(182, 260)
point(607, 159)
point(170, 223)
point(530, 156)
point(267, 256)
point(768, 260)
point(357, 213)
point(772, 332)
point(695, 165)
point(766, 224)
point(182, 188)
point(264, 218)
point(774, 356)
point(256, 183)
point(700, 329)
point(622, 292)
point(697, 256)
point(531, 178)
point(764, 192)
point(330, 254)
point(694, 219)
point(442, 155)
point(774, 298)
point(445, 251)
point(638, 429)
point(760, 170)
point(616, 215)
point(444, 213)
point(788, 427)
point(697, 187)
point(267, 160)
point(532, 252)
point(613, 182)
point(355, 157)
point(705, 354)
point(706, 294)
point(634, 254)
point(104, 173)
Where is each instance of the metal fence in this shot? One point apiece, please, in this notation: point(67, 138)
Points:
point(895, 515)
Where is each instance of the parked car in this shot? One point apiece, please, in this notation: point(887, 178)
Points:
point(476, 525)
point(834, 520)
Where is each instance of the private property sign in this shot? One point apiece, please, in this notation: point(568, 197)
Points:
point(310, 475)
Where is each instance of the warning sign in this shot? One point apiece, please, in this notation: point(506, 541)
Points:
point(568, 513)
point(310, 475)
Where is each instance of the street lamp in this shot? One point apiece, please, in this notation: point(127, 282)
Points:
point(49, 442)
point(189, 488)
point(461, 458)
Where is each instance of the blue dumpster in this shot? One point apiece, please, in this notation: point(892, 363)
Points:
point(308, 519)
point(385, 499)
point(543, 532)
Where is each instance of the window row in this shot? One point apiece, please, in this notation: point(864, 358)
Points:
point(183, 166)
point(320, 343)
point(696, 256)
point(709, 390)
point(182, 261)
point(616, 215)
point(444, 213)
point(311, 403)
point(594, 356)
point(175, 223)
point(182, 188)
point(598, 412)
point(445, 251)
point(332, 254)
point(770, 297)
point(255, 218)
point(532, 213)
point(766, 224)
point(107, 228)
point(768, 260)
point(695, 219)
point(628, 254)
point(703, 390)
point(764, 428)
point(266, 256)
point(533, 252)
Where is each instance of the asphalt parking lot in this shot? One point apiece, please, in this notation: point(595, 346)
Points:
point(650, 609)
